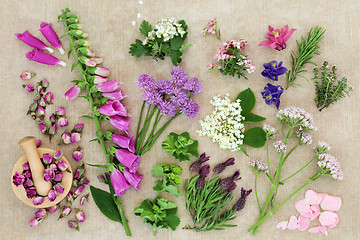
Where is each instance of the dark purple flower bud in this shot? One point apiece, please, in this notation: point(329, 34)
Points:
point(45, 83)
point(65, 211)
point(52, 118)
point(26, 166)
point(41, 213)
point(221, 166)
point(240, 204)
point(29, 88)
point(38, 200)
point(27, 174)
point(232, 187)
point(42, 127)
point(47, 158)
point(84, 199)
point(60, 111)
point(102, 179)
point(34, 222)
point(74, 225)
point(48, 174)
point(195, 166)
point(62, 122)
point(62, 165)
point(78, 127)
point(31, 192)
point(79, 173)
point(204, 171)
point(52, 195)
point(42, 102)
point(58, 176)
point(226, 182)
point(53, 209)
point(38, 143)
point(200, 183)
point(18, 179)
point(49, 97)
point(53, 167)
point(57, 155)
point(59, 188)
point(84, 181)
point(78, 190)
point(28, 183)
point(66, 138)
point(80, 215)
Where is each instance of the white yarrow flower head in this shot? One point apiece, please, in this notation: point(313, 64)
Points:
point(270, 131)
point(260, 166)
point(329, 165)
point(280, 146)
point(225, 125)
point(321, 147)
point(296, 117)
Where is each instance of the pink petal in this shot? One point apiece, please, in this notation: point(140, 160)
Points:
point(282, 225)
point(284, 30)
point(271, 28)
point(288, 34)
point(268, 44)
point(72, 93)
point(317, 229)
point(328, 219)
point(331, 203)
point(303, 206)
point(293, 223)
point(303, 223)
point(315, 210)
point(323, 195)
point(115, 95)
point(313, 197)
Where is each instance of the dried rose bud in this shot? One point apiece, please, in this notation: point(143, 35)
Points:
point(27, 174)
point(38, 120)
point(62, 165)
point(49, 97)
point(84, 199)
point(42, 102)
point(74, 225)
point(18, 179)
point(26, 166)
point(60, 111)
point(80, 215)
point(84, 180)
point(39, 89)
point(41, 213)
point(34, 222)
point(38, 200)
point(59, 188)
point(195, 166)
point(78, 190)
point(28, 184)
point(74, 183)
point(78, 127)
point(75, 137)
point(31, 192)
point(58, 176)
point(38, 143)
point(70, 197)
point(77, 155)
point(48, 174)
point(57, 155)
point(52, 118)
point(62, 122)
point(33, 107)
point(65, 211)
point(53, 209)
point(66, 138)
point(40, 112)
point(52, 195)
point(79, 173)
point(29, 88)
point(102, 179)
point(27, 75)
point(52, 130)
point(47, 158)
point(45, 83)
point(42, 127)
point(53, 167)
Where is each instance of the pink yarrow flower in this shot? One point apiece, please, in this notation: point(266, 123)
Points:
point(41, 57)
point(277, 38)
point(32, 41)
point(51, 36)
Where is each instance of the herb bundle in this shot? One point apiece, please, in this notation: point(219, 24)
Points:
point(328, 87)
point(166, 39)
point(181, 146)
point(206, 201)
point(308, 47)
point(160, 212)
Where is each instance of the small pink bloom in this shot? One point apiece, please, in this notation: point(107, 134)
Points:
point(302, 206)
point(41, 213)
point(282, 225)
point(60, 111)
point(72, 93)
point(48, 174)
point(18, 179)
point(115, 95)
point(317, 229)
point(66, 138)
point(26, 75)
point(26, 166)
point(32, 41)
point(53, 209)
point(331, 203)
point(29, 88)
point(38, 200)
point(277, 38)
point(58, 176)
point(99, 79)
point(41, 57)
point(75, 137)
point(109, 86)
point(80, 216)
point(79, 190)
point(303, 223)
point(124, 141)
point(57, 155)
point(59, 188)
point(38, 143)
point(52, 195)
point(34, 222)
point(62, 122)
point(51, 36)
point(328, 219)
point(293, 223)
point(47, 158)
point(312, 197)
point(77, 155)
point(133, 178)
point(62, 165)
point(78, 127)
point(42, 128)
point(49, 97)
point(120, 123)
point(114, 108)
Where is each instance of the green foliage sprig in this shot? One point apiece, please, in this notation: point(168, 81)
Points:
point(160, 212)
point(308, 47)
point(328, 87)
point(181, 146)
point(165, 39)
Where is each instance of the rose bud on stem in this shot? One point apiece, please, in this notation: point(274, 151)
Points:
point(65, 211)
point(74, 225)
point(80, 215)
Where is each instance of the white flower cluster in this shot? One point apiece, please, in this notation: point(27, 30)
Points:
point(270, 131)
point(167, 28)
point(280, 146)
point(322, 147)
point(224, 125)
point(329, 165)
point(259, 165)
point(296, 117)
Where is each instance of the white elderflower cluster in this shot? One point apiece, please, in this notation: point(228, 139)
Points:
point(167, 28)
point(225, 124)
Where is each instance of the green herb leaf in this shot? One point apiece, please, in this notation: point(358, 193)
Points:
point(184, 47)
point(176, 42)
point(175, 57)
point(165, 204)
point(255, 137)
point(252, 118)
point(145, 28)
point(157, 171)
point(181, 146)
point(173, 190)
point(97, 165)
point(247, 103)
point(137, 49)
point(172, 221)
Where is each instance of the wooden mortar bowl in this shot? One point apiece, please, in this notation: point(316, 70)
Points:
point(20, 190)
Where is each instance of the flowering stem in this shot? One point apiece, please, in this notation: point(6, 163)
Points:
point(145, 128)
point(256, 194)
point(123, 218)
point(267, 158)
point(282, 181)
point(139, 135)
point(287, 155)
point(138, 126)
point(156, 121)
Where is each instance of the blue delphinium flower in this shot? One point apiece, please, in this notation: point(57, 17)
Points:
point(273, 69)
point(272, 94)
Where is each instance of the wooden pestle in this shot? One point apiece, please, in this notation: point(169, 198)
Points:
point(28, 145)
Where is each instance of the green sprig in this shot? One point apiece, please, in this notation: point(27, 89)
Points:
point(181, 146)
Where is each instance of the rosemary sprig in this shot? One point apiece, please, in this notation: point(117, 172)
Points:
point(308, 48)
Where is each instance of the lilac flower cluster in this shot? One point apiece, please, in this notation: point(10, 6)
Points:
point(328, 165)
point(260, 166)
point(270, 131)
point(280, 146)
point(296, 117)
point(321, 147)
point(172, 95)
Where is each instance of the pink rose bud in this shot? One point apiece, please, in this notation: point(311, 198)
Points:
point(99, 79)
point(59, 188)
point(78, 127)
point(45, 83)
point(28, 184)
point(74, 183)
point(84, 199)
point(38, 200)
point(18, 179)
point(51, 36)
point(39, 89)
point(102, 179)
point(42, 128)
point(79, 173)
point(26, 166)
point(66, 138)
point(104, 72)
point(80, 215)
point(34, 222)
point(44, 58)
point(97, 60)
point(84, 181)
point(70, 197)
point(74, 225)
point(38, 143)
point(27, 174)
point(40, 112)
point(77, 155)
point(58, 176)
point(47, 158)
point(57, 155)
point(27, 75)
point(53, 209)
point(52, 130)
point(53, 167)
point(32, 41)
point(115, 95)
point(62, 165)
point(48, 174)
point(52, 195)
point(87, 51)
point(33, 107)
point(29, 88)
point(42, 102)
point(52, 118)
point(79, 190)
point(72, 93)
point(31, 192)
point(49, 97)
point(75, 137)
point(65, 211)
point(62, 122)
point(41, 213)
point(60, 111)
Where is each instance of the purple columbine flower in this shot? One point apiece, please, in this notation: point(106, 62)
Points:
point(80, 216)
point(145, 81)
point(62, 122)
point(32, 41)
point(49, 97)
point(99, 79)
point(58, 176)
point(115, 95)
point(273, 69)
point(18, 179)
point(52, 195)
point(52, 209)
point(101, 71)
point(114, 108)
point(60, 111)
point(59, 188)
point(27, 174)
point(124, 141)
point(72, 93)
point(190, 108)
point(179, 76)
point(47, 158)
point(240, 204)
point(62, 165)
point(221, 166)
point(272, 94)
point(128, 159)
point(75, 137)
point(38, 200)
point(151, 96)
point(120, 123)
point(29, 88)
point(26, 166)
point(195, 166)
point(108, 86)
point(38, 143)
point(164, 87)
point(73, 224)
point(119, 183)
point(34, 222)
point(41, 57)
point(179, 97)
point(193, 85)
point(51, 36)
point(77, 155)
point(41, 213)
point(57, 154)
point(31, 192)
point(48, 174)
point(133, 178)
point(167, 108)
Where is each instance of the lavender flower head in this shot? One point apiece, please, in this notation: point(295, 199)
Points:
point(296, 117)
point(204, 171)
point(179, 76)
point(164, 87)
point(226, 182)
point(321, 147)
point(270, 131)
point(145, 81)
point(260, 166)
point(221, 166)
point(167, 108)
point(328, 165)
point(273, 69)
point(272, 94)
point(195, 166)
point(190, 108)
point(280, 146)
point(240, 204)
point(193, 85)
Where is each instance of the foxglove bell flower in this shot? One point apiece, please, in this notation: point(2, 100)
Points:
point(38, 200)
point(62, 122)
point(97, 60)
point(51, 36)
point(29, 88)
point(88, 52)
point(80, 216)
point(41, 57)
point(133, 178)
point(27, 75)
point(34, 222)
point(272, 94)
point(115, 95)
point(114, 108)
point(99, 79)
point(18, 179)
point(101, 71)
point(124, 141)
point(118, 182)
point(32, 41)
point(277, 38)
point(72, 93)
point(273, 69)
point(128, 159)
point(41, 213)
point(75, 137)
point(52, 195)
point(120, 123)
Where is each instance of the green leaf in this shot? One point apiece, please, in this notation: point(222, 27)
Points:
point(157, 171)
point(105, 202)
point(87, 116)
point(247, 103)
point(252, 118)
point(165, 204)
point(137, 49)
point(69, 52)
point(176, 42)
point(145, 28)
point(172, 221)
point(97, 165)
point(175, 57)
point(243, 150)
point(255, 137)
point(107, 175)
point(184, 47)
point(173, 190)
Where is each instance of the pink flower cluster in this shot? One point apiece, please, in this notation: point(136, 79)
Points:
point(212, 29)
point(310, 209)
point(259, 166)
point(304, 137)
point(296, 117)
point(328, 165)
point(270, 131)
point(280, 146)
